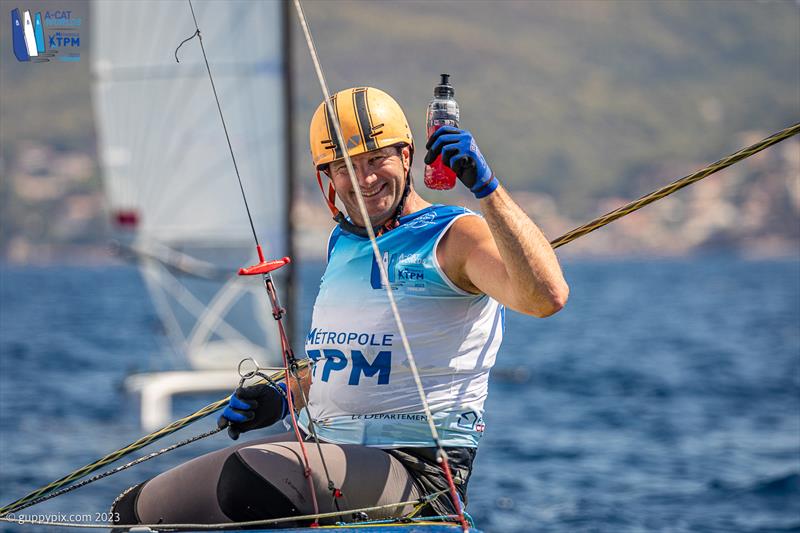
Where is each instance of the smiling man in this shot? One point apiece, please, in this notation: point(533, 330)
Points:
point(452, 272)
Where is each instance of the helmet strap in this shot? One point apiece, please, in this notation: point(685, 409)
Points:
point(330, 198)
point(394, 221)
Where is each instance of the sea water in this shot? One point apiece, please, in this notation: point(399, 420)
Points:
point(664, 397)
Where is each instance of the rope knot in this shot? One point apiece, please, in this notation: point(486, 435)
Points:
point(192, 36)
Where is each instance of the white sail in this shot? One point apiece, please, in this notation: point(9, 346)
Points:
point(167, 171)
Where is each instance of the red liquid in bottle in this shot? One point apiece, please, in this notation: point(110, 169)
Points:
point(442, 111)
point(437, 175)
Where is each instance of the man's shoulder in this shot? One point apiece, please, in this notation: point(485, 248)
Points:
point(468, 226)
point(467, 232)
point(452, 210)
point(456, 216)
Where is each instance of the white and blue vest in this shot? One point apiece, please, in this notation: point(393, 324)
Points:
point(362, 390)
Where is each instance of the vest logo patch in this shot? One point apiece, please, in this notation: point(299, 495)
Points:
point(423, 220)
point(406, 270)
point(471, 420)
point(411, 274)
point(389, 261)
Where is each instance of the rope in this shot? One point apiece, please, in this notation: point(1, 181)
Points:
point(290, 362)
point(336, 493)
point(442, 455)
point(238, 525)
point(130, 448)
point(675, 186)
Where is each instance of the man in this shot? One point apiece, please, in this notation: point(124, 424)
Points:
point(451, 271)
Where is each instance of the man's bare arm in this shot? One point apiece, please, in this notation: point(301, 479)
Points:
point(505, 256)
point(536, 282)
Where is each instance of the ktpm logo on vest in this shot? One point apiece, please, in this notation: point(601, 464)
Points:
point(31, 44)
point(406, 270)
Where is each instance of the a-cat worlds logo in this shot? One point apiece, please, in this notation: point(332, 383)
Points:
point(43, 37)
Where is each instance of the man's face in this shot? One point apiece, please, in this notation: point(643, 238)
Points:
point(380, 175)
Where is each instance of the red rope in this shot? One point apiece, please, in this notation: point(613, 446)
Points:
point(286, 351)
point(452, 486)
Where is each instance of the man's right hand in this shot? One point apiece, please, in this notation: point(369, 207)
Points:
point(253, 407)
point(460, 153)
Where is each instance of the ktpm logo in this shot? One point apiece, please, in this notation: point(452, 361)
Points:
point(29, 42)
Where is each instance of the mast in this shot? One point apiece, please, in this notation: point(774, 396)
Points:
point(288, 91)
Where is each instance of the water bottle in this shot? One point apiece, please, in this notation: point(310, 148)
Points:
point(442, 111)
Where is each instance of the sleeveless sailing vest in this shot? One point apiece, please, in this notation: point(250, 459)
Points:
point(362, 390)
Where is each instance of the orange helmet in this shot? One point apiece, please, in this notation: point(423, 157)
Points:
point(369, 118)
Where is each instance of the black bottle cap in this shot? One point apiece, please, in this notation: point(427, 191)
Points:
point(444, 89)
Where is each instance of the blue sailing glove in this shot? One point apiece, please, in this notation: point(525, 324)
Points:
point(254, 407)
point(461, 154)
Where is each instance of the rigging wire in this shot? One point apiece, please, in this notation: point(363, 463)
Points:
point(120, 468)
point(221, 116)
point(130, 448)
point(675, 186)
point(442, 455)
point(336, 493)
point(290, 364)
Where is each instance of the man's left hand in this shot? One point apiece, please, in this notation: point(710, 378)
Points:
point(460, 153)
point(254, 407)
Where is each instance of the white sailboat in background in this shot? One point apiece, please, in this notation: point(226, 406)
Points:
point(169, 181)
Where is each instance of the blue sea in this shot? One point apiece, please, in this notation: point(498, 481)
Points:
point(664, 397)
